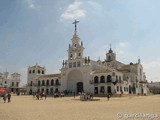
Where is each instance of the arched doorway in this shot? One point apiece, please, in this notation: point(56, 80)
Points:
point(75, 81)
point(109, 90)
point(130, 89)
point(79, 87)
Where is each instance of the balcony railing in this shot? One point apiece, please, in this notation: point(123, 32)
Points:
point(44, 85)
point(57, 84)
point(103, 82)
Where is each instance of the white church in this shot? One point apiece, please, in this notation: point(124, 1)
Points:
point(82, 74)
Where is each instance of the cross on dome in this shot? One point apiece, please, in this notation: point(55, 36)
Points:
point(75, 22)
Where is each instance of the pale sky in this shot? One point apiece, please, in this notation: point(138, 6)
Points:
point(39, 31)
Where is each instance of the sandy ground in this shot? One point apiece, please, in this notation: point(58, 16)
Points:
point(69, 108)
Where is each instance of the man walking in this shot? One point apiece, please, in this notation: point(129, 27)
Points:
point(9, 97)
point(4, 98)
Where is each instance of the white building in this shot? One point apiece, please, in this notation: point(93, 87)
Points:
point(154, 87)
point(10, 81)
point(80, 73)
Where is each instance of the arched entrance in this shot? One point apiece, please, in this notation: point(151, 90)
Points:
point(130, 89)
point(109, 89)
point(75, 81)
point(79, 87)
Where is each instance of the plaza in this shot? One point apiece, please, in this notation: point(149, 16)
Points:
point(70, 108)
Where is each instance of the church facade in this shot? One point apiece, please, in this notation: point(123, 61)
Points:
point(82, 74)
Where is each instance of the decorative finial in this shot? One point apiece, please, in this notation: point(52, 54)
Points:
point(110, 46)
point(110, 51)
point(81, 43)
point(139, 61)
point(75, 22)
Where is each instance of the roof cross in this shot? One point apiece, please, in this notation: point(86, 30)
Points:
point(75, 22)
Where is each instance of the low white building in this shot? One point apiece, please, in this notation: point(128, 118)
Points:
point(154, 87)
point(10, 81)
point(82, 74)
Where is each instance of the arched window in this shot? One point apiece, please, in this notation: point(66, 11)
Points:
point(31, 83)
point(47, 83)
point(120, 79)
point(39, 83)
point(52, 82)
point(42, 72)
point(102, 79)
point(109, 79)
point(43, 83)
point(57, 82)
point(71, 56)
point(33, 71)
point(30, 72)
point(96, 79)
point(116, 78)
point(117, 88)
point(12, 83)
point(38, 71)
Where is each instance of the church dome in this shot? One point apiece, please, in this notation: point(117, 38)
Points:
point(110, 51)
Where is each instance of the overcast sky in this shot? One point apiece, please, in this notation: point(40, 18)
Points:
point(39, 31)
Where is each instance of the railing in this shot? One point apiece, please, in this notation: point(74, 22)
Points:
point(106, 82)
point(40, 85)
point(57, 84)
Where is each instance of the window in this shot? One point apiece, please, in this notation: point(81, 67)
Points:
point(30, 72)
point(102, 90)
point(120, 88)
point(127, 89)
point(120, 79)
point(75, 45)
point(57, 82)
point(43, 83)
point(47, 83)
point(74, 64)
point(70, 65)
point(38, 71)
point(33, 71)
point(5, 82)
point(79, 54)
point(71, 56)
point(39, 83)
point(12, 83)
point(52, 82)
point(109, 79)
point(96, 79)
point(42, 72)
point(78, 64)
point(116, 78)
point(31, 83)
point(117, 88)
point(102, 79)
point(17, 84)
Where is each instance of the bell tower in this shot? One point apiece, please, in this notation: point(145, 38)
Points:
point(110, 56)
point(76, 48)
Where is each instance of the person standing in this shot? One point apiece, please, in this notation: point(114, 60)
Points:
point(108, 96)
point(4, 98)
point(9, 97)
